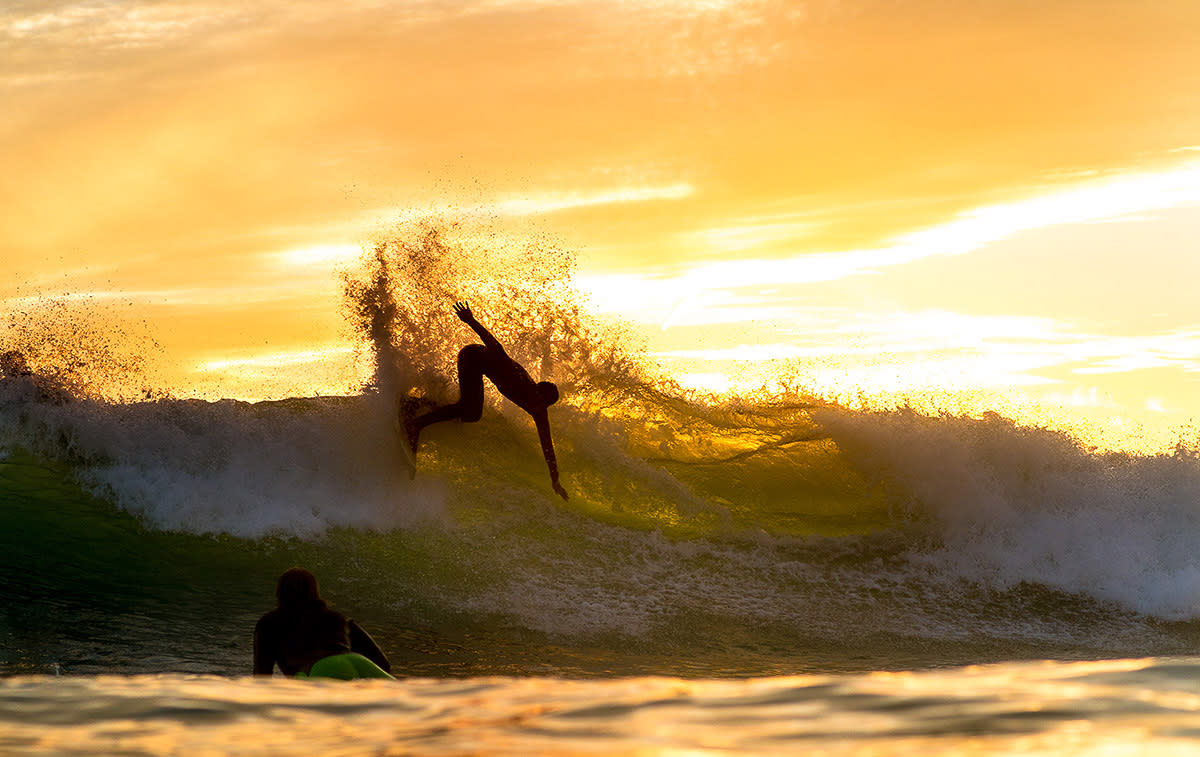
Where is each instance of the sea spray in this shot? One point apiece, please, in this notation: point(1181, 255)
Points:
point(81, 347)
point(1005, 504)
point(399, 305)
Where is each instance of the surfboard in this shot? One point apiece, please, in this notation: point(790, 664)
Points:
point(407, 409)
point(408, 455)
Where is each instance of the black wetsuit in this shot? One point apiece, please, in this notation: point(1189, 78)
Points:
point(476, 361)
point(297, 636)
point(490, 359)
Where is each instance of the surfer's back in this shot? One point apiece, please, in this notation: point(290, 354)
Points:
point(295, 637)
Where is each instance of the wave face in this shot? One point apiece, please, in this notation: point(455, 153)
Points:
point(743, 537)
point(729, 540)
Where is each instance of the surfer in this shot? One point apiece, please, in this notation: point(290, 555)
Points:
point(489, 359)
point(308, 639)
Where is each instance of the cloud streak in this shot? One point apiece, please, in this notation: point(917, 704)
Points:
point(1099, 201)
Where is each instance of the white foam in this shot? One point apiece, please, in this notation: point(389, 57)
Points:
point(1012, 504)
point(241, 469)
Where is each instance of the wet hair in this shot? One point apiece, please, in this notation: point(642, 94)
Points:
point(297, 586)
point(548, 392)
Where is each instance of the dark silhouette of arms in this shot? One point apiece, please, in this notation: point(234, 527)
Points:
point(464, 314)
point(542, 422)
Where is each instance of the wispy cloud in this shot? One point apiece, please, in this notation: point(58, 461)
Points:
point(552, 202)
point(43, 34)
point(752, 234)
point(675, 296)
point(926, 349)
point(275, 360)
point(512, 205)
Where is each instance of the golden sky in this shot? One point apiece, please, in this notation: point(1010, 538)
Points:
point(965, 195)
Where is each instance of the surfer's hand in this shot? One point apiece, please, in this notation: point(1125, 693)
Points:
point(463, 312)
point(558, 488)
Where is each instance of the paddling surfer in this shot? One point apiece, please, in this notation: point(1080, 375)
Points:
point(308, 639)
point(489, 359)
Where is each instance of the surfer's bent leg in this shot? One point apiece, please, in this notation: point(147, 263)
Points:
point(469, 408)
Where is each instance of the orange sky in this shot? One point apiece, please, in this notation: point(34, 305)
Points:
point(1000, 196)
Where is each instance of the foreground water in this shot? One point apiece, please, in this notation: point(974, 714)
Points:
point(1147, 706)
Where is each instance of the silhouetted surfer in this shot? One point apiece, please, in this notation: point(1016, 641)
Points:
point(307, 639)
point(489, 359)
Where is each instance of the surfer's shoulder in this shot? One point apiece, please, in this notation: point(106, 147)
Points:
point(267, 622)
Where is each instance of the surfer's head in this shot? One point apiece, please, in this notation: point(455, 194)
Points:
point(296, 587)
point(547, 393)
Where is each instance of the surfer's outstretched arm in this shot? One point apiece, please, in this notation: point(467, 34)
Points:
point(464, 314)
point(542, 422)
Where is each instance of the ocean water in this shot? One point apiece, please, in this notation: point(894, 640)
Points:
point(757, 577)
point(758, 574)
point(1108, 707)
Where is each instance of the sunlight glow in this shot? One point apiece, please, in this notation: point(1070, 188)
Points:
point(753, 234)
point(659, 298)
point(1155, 405)
point(715, 383)
point(752, 353)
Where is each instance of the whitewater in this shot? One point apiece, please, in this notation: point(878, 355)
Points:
point(761, 573)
